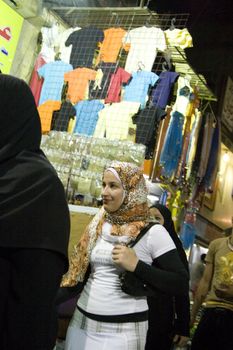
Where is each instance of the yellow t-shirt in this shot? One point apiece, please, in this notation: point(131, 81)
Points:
point(178, 37)
point(115, 121)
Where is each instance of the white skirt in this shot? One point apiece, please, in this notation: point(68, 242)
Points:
point(86, 334)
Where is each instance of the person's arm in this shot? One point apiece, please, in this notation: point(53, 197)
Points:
point(168, 276)
point(202, 291)
point(66, 293)
point(182, 310)
point(224, 292)
point(181, 326)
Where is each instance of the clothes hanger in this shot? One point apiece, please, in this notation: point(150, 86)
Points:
point(140, 66)
point(164, 66)
point(57, 56)
point(147, 23)
point(117, 21)
point(209, 107)
point(187, 78)
point(167, 54)
point(172, 25)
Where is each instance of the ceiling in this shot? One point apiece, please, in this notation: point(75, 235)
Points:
point(211, 26)
point(91, 3)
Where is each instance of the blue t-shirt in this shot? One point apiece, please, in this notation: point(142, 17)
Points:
point(87, 116)
point(161, 93)
point(53, 74)
point(137, 89)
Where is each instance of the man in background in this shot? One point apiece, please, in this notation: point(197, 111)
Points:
point(196, 273)
point(214, 331)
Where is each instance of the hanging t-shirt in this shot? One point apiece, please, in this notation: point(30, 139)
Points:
point(115, 121)
point(111, 45)
point(137, 89)
point(87, 116)
point(212, 164)
point(183, 97)
point(160, 94)
point(49, 36)
point(84, 43)
point(46, 112)
point(117, 79)
point(147, 121)
point(172, 146)
point(61, 118)
point(53, 74)
point(144, 44)
point(65, 51)
point(35, 82)
point(178, 37)
point(193, 142)
point(206, 145)
point(100, 90)
point(78, 80)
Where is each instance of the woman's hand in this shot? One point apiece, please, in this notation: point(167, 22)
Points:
point(180, 340)
point(124, 257)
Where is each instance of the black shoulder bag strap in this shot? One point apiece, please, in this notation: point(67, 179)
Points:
point(141, 234)
point(129, 282)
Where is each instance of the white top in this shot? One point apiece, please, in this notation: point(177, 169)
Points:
point(102, 294)
point(48, 38)
point(183, 100)
point(144, 44)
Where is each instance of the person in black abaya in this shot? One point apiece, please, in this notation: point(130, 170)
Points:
point(34, 225)
point(169, 316)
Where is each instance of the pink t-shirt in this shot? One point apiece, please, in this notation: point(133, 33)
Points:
point(36, 82)
point(117, 79)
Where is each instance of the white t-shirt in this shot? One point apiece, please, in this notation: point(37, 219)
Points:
point(102, 294)
point(49, 36)
point(144, 44)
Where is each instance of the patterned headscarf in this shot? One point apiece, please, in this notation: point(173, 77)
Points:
point(128, 220)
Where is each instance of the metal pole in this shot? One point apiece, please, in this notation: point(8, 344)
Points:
point(142, 3)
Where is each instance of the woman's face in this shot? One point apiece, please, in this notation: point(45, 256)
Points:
point(155, 213)
point(112, 192)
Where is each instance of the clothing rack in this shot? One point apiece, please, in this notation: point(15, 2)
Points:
point(133, 17)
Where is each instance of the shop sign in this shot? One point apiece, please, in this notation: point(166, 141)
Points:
point(10, 27)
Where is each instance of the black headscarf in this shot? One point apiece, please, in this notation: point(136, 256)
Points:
point(33, 208)
point(169, 225)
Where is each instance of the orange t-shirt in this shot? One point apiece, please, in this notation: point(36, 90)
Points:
point(46, 113)
point(110, 47)
point(78, 80)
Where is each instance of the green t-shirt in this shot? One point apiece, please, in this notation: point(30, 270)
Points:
point(220, 255)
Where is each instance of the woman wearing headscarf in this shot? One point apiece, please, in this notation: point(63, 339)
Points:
point(106, 317)
point(169, 315)
point(34, 225)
